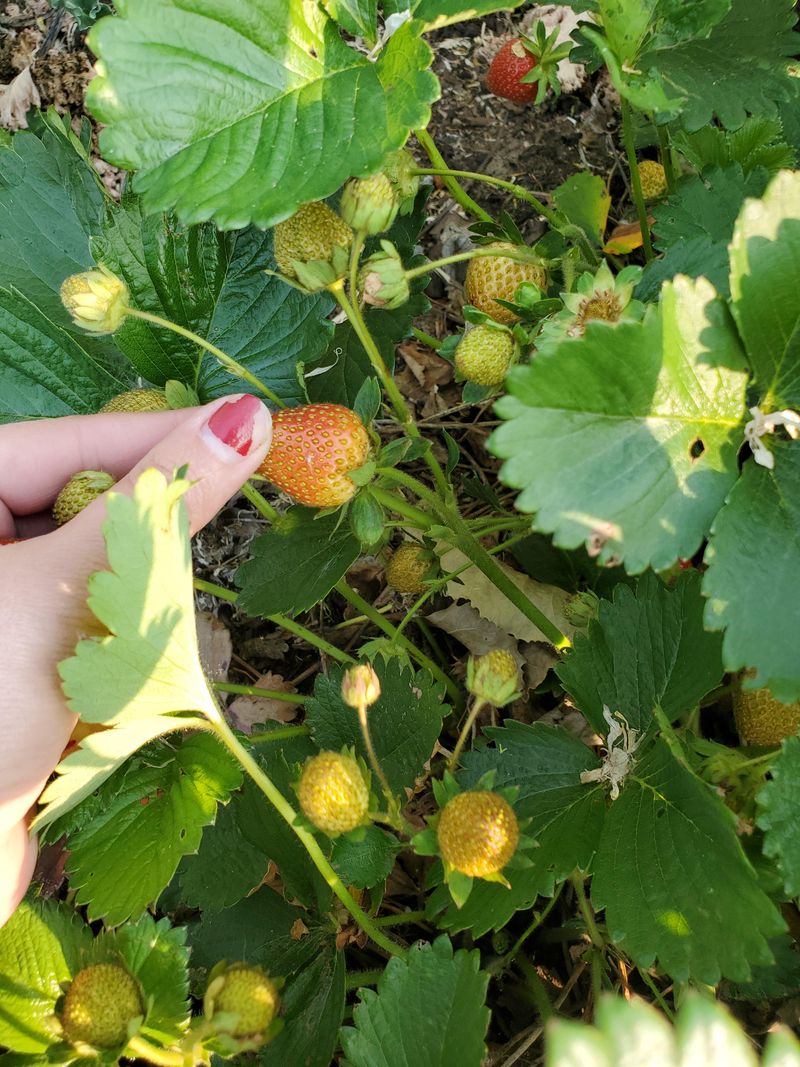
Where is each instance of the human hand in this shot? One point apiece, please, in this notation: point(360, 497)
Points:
point(43, 578)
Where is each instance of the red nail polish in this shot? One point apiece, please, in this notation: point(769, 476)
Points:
point(233, 423)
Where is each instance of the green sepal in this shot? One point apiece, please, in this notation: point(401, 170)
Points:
point(364, 474)
point(460, 886)
point(403, 449)
point(367, 520)
point(180, 395)
point(425, 843)
point(498, 876)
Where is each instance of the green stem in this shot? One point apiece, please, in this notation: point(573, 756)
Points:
point(666, 157)
point(648, 981)
point(518, 254)
point(458, 193)
point(310, 843)
point(474, 711)
point(283, 621)
point(403, 917)
point(586, 911)
point(355, 979)
point(259, 502)
point(375, 763)
point(281, 733)
point(503, 962)
point(396, 398)
point(636, 181)
point(257, 691)
point(394, 502)
point(426, 338)
point(375, 617)
point(511, 187)
point(224, 359)
point(141, 1049)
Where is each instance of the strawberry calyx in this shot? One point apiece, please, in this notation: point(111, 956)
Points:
point(548, 54)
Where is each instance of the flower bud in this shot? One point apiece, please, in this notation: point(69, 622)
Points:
point(382, 279)
point(360, 686)
point(493, 678)
point(96, 299)
point(370, 204)
point(398, 167)
point(582, 608)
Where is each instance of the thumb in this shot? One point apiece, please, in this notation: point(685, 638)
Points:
point(222, 444)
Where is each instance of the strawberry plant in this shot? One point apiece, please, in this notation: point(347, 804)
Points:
point(532, 755)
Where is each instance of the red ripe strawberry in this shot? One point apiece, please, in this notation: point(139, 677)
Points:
point(313, 448)
point(512, 63)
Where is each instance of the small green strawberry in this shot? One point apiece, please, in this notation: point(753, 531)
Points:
point(653, 179)
point(246, 998)
point(137, 400)
point(490, 278)
point(101, 1002)
point(333, 793)
point(477, 833)
point(312, 235)
point(483, 355)
point(78, 493)
point(493, 677)
point(406, 570)
point(313, 448)
point(370, 204)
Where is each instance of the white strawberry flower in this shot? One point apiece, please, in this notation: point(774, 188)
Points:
point(761, 424)
point(621, 743)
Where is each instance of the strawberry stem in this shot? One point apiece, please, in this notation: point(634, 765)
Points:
point(666, 157)
point(459, 194)
point(636, 181)
point(141, 1049)
point(259, 691)
point(516, 190)
point(310, 843)
point(521, 256)
point(258, 501)
point(222, 357)
point(474, 711)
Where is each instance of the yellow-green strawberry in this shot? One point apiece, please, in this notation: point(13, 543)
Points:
point(370, 204)
point(137, 400)
point(477, 833)
point(333, 793)
point(483, 355)
point(78, 493)
point(248, 995)
point(490, 278)
point(311, 234)
point(653, 179)
point(493, 677)
point(97, 300)
point(407, 568)
point(761, 719)
point(100, 1003)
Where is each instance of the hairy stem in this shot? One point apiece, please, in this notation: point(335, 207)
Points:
point(223, 358)
point(282, 733)
point(426, 339)
point(477, 706)
point(586, 910)
point(394, 502)
point(141, 1049)
point(458, 193)
point(636, 181)
point(518, 254)
point(258, 691)
point(516, 190)
point(666, 157)
point(259, 502)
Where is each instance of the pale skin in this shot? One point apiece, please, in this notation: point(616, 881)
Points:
point(43, 578)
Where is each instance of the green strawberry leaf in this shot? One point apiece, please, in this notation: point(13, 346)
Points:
point(404, 723)
point(740, 68)
point(215, 285)
point(296, 563)
point(438, 13)
point(765, 279)
point(673, 879)
point(298, 113)
point(777, 806)
point(585, 201)
point(436, 989)
point(774, 982)
point(150, 814)
point(41, 946)
point(646, 417)
point(357, 17)
point(648, 648)
point(85, 12)
point(566, 819)
point(693, 227)
point(753, 577)
point(44, 371)
point(139, 686)
point(366, 862)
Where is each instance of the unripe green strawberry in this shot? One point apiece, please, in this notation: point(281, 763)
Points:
point(483, 355)
point(246, 993)
point(370, 204)
point(653, 179)
point(490, 278)
point(477, 833)
point(100, 1003)
point(407, 568)
point(78, 493)
point(761, 719)
point(97, 300)
point(312, 233)
point(493, 677)
point(333, 794)
point(313, 448)
point(137, 400)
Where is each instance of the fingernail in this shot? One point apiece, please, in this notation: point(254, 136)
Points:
point(238, 428)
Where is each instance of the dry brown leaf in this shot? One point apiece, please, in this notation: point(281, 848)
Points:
point(15, 99)
point(539, 658)
point(298, 930)
point(216, 648)
point(480, 591)
point(476, 634)
point(245, 711)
